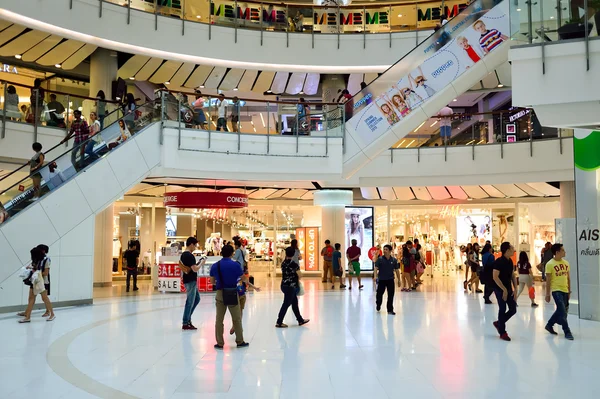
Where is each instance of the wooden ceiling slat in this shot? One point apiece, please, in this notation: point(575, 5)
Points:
point(165, 72)
point(132, 66)
point(182, 74)
point(147, 70)
point(79, 56)
point(10, 33)
point(60, 53)
point(198, 77)
point(263, 83)
point(215, 77)
point(232, 79)
point(23, 43)
point(41, 48)
point(248, 80)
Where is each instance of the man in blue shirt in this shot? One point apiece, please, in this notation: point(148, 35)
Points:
point(386, 267)
point(225, 274)
point(338, 268)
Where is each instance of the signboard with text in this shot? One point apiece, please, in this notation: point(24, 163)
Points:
point(312, 249)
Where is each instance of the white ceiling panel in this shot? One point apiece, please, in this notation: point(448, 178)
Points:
point(139, 187)
point(492, 191)
point(309, 195)
point(510, 190)
point(311, 84)
point(296, 83)
point(439, 192)
point(215, 77)
point(369, 77)
point(387, 193)
point(195, 189)
point(279, 193)
point(79, 56)
point(369, 193)
point(165, 72)
point(248, 80)
point(457, 192)
point(530, 190)
point(263, 83)
point(235, 190)
point(545, 189)
point(132, 66)
point(422, 193)
point(279, 83)
point(295, 193)
point(232, 79)
point(504, 74)
point(354, 82)
point(404, 193)
point(42, 48)
point(182, 74)
point(475, 192)
point(60, 53)
point(262, 193)
point(23, 43)
point(198, 77)
point(148, 69)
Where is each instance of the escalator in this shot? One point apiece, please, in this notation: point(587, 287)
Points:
point(69, 193)
point(444, 66)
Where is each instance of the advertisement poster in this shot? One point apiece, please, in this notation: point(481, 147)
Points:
point(473, 228)
point(359, 227)
point(312, 256)
point(301, 237)
point(436, 63)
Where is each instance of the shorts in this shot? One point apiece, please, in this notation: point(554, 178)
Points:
point(47, 288)
point(242, 302)
point(445, 131)
point(337, 272)
point(354, 268)
point(474, 268)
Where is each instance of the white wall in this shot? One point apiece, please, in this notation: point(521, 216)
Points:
point(19, 137)
point(221, 49)
point(567, 94)
point(65, 221)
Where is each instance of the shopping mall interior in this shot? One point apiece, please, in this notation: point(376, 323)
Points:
point(132, 128)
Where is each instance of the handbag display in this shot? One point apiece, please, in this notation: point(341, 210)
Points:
point(230, 295)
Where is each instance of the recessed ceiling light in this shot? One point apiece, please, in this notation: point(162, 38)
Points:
point(131, 78)
point(301, 93)
point(201, 86)
point(551, 17)
point(269, 91)
point(455, 100)
point(18, 56)
point(57, 65)
point(198, 16)
point(167, 83)
point(235, 89)
point(400, 15)
point(500, 85)
point(518, 9)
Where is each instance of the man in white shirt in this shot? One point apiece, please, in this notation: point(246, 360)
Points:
point(222, 109)
point(445, 123)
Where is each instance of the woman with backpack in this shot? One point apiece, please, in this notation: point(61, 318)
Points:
point(407, 264)
point(525, 277)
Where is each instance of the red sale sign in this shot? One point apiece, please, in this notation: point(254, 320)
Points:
point(374, 253)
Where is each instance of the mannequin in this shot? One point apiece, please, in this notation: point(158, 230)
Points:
point(538, 245)
point(444, 258)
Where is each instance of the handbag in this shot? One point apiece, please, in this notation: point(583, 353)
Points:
point(531, 292)
point(540, 267)
point(300, 290)
point(230, 295)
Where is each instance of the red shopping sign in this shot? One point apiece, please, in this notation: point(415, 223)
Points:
point(374, 253)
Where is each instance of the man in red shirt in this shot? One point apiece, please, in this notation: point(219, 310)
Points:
point(353, 254)
point(327, 254)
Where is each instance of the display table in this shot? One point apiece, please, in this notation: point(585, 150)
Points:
point(170, 278)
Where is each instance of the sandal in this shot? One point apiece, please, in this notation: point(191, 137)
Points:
point(46, 315)
point(24, 321)
point(51, 318)
point(21, 314)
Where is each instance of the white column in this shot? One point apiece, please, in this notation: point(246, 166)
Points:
point(103, 71)
point(103, 247)
point(567, 199)
point(333, 212)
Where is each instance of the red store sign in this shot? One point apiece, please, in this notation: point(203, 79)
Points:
point(215, 200)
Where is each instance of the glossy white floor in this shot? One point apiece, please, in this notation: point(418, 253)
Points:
point(441, 344)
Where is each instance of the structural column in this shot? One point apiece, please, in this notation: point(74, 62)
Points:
point(103, 71)
point(567, 199)
point(103, 247)
point(333, 212)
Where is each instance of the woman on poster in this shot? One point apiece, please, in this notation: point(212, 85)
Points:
point(355, 229)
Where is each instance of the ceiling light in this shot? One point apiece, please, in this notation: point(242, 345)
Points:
point(469, 199)
point(399, 15)
point(500, 85)
point(131, 78)
point(198, 16)
point(455, 100)
point(235, 89)
point(409, 144)
point(57, 65)
point(167, 83)
point(201, 86)
point(551, 17)
point(433, 124)
point(18, 56)
point(301, 93)
point(518, 9)
point(418, 127)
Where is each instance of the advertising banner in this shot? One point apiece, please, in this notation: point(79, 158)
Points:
point(430, 67)
point(328, 20)
point(301, 237)
point(473, 228)
point(359, 227)
point(312, 246)
point(587, 180)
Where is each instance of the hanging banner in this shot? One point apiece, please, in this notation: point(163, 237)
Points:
point(312, 245)
point(436, 63)
point(301, 237)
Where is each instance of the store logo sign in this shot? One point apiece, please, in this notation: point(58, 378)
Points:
point(9, 69)
point(274, 15)
point(519, 115)
point(242, 200)
point(449, 211)
point(435, 13)
point(169, 199)
point(351, 18)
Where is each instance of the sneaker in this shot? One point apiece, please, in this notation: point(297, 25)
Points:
point(465, 285)
point(281, 325)
point(188, 327)
point(342, 286)
point(349, 288)
point(136, 289)
point(479, 291)
point(505, 337)
point(378, 308)
point(360, 287)
point(550, 329)
point(392, 313)
point(304, 322)
point(469, 285)
point(488, 302)
point(243, 345)
point(569, 336)
point(217, 346)
point(534, 305)
point(496, 327)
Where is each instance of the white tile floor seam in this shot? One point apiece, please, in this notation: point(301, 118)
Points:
point(441, 344)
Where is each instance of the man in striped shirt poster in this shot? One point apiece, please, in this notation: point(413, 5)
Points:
point(490, 38)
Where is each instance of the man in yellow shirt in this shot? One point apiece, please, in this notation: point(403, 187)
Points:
point(558, 284)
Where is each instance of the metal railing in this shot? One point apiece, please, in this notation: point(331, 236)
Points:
point(547, 22)
point(296, 18)
point(207, 123)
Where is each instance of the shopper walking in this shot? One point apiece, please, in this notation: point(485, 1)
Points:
point(95, 137)
point(406, 259)
point(486, 276)
point(525, 276)
point(546, 256)
point(101, 110)
point(199, 117)
point(129, 111)
point(473, 258)
point(558, 285)
point(79, 130)
point(353, 255)
point(337, 266)
point(386, 267)
point(38, 265)
point(132, 257)
point(225, 275)
point(505, 288)
point(189, 269)
point(222, 113)
point(297, 254)
point(37, 102)
point(35, 164)
point(290, 283)
point(235, 114)
point(466, 252)
point(327, 254)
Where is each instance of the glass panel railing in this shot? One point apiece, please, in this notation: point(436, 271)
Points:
point(46, 172)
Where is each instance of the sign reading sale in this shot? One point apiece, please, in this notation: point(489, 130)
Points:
point(169, 277)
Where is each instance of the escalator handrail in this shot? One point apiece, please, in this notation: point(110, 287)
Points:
point(68, 151)
point(51, 149)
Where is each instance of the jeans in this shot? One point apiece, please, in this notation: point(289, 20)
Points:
point(89, 150)
point(236, 318)
point(561, 299)
point(222, 123)
point(487, 291)
point(78, 149)
point(503, 314)
point(131, 273)
point(290, 298)
point(381, 287)
point(193, 299)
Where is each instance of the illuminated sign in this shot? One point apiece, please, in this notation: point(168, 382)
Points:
point(312, 244)
point(519, 114)
point(435, 13)
point(247, 12)
point(449, 211)
point(9, 69)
